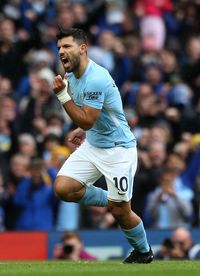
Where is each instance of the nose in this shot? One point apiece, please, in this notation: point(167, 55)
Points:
point(61, 50)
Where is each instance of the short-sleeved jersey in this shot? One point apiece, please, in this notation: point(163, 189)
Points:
point(97, 89)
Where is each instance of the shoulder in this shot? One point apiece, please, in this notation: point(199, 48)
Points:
point(98, 77)
point(99, 72)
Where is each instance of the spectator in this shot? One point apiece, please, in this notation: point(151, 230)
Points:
point(168, 63)
point(35, 198)
point(6, 87)
point(153, 31)
point(153, 76)
point(40, 102)
point(58, 155)
point(12, 50)
point(196, 202)
point(133, 53)
point(35, 61)
point(190, 68)
point(186, 173)
point(8, 130)
point(182, 237)
point(50, 142)
point(2, 214)
point(148, 106)
point(151, 162)
point(169, 251)
point(72, 248)
point(179, 246)
point(65, 15)
point(27, 145)
point(160, 131)
point(103, 52)
point(18, 170)
point(170, 205)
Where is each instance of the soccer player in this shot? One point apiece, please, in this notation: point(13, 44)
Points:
point(105, 144)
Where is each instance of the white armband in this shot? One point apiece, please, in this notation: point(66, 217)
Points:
point(63, 95)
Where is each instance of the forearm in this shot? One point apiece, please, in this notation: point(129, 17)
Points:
point(78, 115)
point(84, 116)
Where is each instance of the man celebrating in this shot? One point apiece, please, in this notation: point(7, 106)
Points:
point(105, 144)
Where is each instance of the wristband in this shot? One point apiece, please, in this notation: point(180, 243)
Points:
point(63, 95)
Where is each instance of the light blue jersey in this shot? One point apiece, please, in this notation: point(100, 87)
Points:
point(97, 89)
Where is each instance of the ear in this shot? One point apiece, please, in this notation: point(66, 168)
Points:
point(83, 49)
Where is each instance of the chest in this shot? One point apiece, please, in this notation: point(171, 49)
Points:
point(77, 89)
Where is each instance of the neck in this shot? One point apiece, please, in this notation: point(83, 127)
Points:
point(81, 69)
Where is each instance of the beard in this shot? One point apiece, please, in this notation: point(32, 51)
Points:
point(74, 64)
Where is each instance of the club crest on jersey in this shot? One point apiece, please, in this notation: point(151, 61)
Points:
point(92, 95)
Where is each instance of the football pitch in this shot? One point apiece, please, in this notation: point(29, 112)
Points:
point(100, 268)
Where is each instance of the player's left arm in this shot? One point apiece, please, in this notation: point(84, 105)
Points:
point(84, 116)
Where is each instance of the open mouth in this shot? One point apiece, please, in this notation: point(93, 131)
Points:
point(65, 61)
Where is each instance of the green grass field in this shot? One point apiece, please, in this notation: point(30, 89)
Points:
point(110, 268)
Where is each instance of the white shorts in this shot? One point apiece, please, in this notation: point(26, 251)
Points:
point(88, 163)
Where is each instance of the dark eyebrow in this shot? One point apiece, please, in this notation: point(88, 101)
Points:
point(64, 45)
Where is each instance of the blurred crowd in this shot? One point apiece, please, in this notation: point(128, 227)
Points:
point(179, 246)
point(152, 50)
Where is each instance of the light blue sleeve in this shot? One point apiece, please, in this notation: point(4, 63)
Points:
point(94, 93)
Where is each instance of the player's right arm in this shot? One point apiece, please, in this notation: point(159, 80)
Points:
point(84, 116)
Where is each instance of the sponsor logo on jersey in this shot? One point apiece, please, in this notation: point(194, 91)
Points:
point(92, 95)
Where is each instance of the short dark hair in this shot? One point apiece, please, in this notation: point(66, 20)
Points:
point(78, 34)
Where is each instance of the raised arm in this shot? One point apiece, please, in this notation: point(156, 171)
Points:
point(84, 116)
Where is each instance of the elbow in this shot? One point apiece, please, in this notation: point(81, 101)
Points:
point(86, 127)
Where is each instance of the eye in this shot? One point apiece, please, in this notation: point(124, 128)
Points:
point(66, 46)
